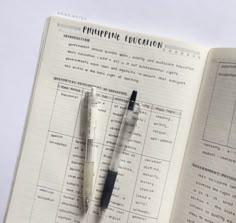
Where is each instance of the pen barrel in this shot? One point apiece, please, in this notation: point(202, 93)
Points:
point(108, 188)
point(88, 179)
point(89, 152)
point(126, 130)
point(91, 116)
point(91, 126)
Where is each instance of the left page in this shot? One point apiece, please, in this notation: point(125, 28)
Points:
point(75, 56)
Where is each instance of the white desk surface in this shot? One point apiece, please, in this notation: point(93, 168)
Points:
point(208, 23)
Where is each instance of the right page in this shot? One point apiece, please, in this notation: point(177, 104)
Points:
point(207, 187)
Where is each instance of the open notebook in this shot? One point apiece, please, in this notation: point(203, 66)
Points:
point(180, 163)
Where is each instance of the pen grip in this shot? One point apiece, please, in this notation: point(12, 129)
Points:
point(88, 179)
point(108, 188)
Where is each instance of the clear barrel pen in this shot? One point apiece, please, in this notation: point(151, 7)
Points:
point(127, 126)
point(90, 150)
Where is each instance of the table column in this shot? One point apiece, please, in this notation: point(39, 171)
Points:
point(163, 126)
point(56, 154)
point(232, 133)
point(153, 170)
point(136, 143)
point(70, 208)
point(221, 111)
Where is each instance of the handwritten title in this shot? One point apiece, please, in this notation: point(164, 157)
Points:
point(135, 40)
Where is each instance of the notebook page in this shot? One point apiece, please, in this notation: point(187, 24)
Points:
point(76, 56)
point(207, 191)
